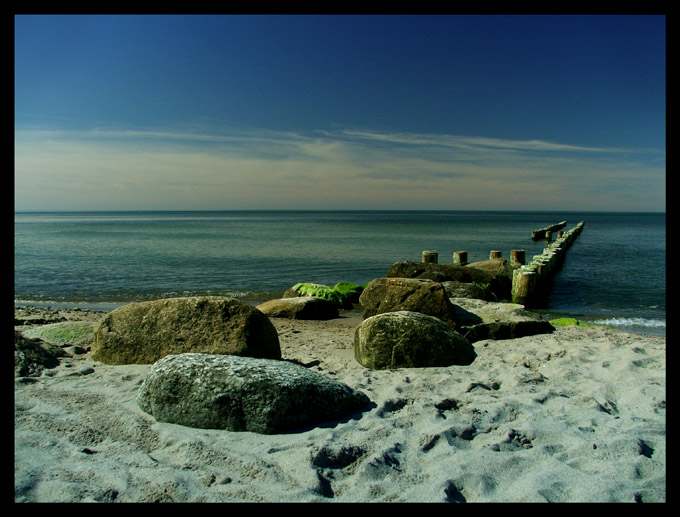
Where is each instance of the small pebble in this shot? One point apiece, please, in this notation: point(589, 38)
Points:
point(86, 370)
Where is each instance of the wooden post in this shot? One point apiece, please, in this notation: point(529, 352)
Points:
point(495, 254)
point(460, 257)
point(548, 235)
point(517, 256)
point(430, 257)
point(523, 285)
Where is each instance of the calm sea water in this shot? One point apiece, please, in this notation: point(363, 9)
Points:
point(614, 273)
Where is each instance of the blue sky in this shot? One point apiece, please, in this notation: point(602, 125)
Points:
point(340, 112)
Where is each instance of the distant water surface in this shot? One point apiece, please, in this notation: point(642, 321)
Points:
point(615, 272)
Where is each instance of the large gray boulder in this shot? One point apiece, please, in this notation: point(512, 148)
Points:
point(407, 294)
point(300, 308)
point(406, 339)
point(142, 333)
point(243, 394)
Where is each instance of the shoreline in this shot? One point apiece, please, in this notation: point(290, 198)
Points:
point(643, 326)
point(575, 415)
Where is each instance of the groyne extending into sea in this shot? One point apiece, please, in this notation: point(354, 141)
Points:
point(530, 281)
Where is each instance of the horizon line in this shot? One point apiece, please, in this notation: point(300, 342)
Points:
point(334, 210)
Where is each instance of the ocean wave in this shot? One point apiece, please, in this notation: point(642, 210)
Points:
point(632, 322)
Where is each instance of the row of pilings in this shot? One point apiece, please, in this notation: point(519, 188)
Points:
point(546, 233)
point(461, 257)
point(530, 281)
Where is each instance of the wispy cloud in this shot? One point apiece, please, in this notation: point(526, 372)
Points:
point(466, 142)
point(342, 169)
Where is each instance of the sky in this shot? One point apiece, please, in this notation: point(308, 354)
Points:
point(340, 112)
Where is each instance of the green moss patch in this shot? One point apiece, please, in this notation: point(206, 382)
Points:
point(342, 294)
point(566, 322)
point(67, 332)
point(319, 290)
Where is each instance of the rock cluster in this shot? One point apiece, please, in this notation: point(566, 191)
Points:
point(243, 394)
point(495, 275)
point(217, 360)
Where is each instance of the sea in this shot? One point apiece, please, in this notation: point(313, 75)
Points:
point(613, 274)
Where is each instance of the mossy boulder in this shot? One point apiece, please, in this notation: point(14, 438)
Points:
point(143, 333)
point(405, 339)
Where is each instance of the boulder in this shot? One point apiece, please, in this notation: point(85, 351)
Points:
point(480, 319)
point(497, 284)
point(142, 333)
point(407, 294)
point(234, 393)
point(300, 308)
point(405, 339)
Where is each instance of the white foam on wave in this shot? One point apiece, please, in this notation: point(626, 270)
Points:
point(632, 322)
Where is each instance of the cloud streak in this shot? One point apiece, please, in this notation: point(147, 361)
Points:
point(461, 142)
point(346, 169)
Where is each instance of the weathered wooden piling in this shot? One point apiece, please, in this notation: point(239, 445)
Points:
point(495, 254)
point(430, 257)
point(460, 257)
point(517, 257)
point(541, 232)
point(530, 280)
point(523, 284)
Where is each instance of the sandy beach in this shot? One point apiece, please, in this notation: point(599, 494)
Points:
point(577, 415)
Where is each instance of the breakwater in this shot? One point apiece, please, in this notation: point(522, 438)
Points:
point(530, 281)
point(546, 232)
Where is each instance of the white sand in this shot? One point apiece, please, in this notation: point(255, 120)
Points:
point(576, 415)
